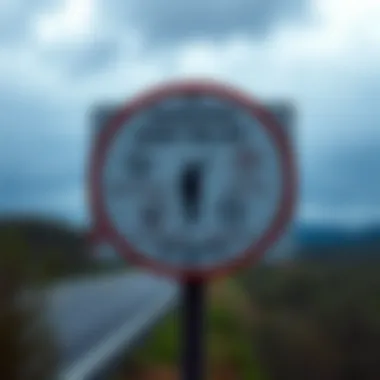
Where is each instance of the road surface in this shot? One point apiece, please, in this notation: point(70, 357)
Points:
point(94, 319)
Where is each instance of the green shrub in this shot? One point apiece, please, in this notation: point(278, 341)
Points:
point(317, 322)
point(26, 347)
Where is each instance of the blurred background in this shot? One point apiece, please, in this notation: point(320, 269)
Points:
point(312, 310)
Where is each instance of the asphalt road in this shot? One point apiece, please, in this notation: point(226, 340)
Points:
point(93, 318)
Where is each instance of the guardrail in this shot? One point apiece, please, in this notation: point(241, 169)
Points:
point(104, 355)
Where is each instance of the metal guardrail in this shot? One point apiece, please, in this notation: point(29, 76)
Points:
point(107, 354)
point(104, 357)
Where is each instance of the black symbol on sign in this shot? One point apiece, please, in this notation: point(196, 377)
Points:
point(231, 211)
point(214, 245)
point(248, 159)
point(170, 246)
point(121, 189)
point(151, 216)
point(191, 252)
point(138, 165)
point(191, 183)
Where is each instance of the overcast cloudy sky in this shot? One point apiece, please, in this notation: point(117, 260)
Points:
point(59, 57)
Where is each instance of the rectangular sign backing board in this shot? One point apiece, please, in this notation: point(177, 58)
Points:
point(285, 113)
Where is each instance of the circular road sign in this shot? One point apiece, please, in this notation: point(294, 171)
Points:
point(192, 179)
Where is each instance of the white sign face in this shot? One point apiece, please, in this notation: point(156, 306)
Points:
point(193, 182)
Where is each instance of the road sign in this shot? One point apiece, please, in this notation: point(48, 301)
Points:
point(192, 179)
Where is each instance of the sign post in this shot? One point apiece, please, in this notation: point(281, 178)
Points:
point(193, 180)
point(193, 309)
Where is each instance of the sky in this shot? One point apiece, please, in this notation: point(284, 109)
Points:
point(59, 58)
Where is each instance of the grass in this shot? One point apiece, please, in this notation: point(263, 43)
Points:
point(229, 344)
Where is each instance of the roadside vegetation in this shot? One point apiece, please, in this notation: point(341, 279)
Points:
point(54, 250)
point(33, 255)
point(27, 347)
point(313, 321)
point(317, 321)
point(229, 353)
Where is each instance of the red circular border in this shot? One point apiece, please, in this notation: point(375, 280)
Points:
point(105, 229)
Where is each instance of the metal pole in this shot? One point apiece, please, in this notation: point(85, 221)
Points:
point(192, 324)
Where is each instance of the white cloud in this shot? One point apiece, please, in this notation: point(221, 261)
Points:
point(329, 67)
point(71, 20)
point(292, 60)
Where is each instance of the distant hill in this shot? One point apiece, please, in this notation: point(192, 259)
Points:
point(326, 242)
point(58, 248)
point(52, 247)
point(331, 235)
